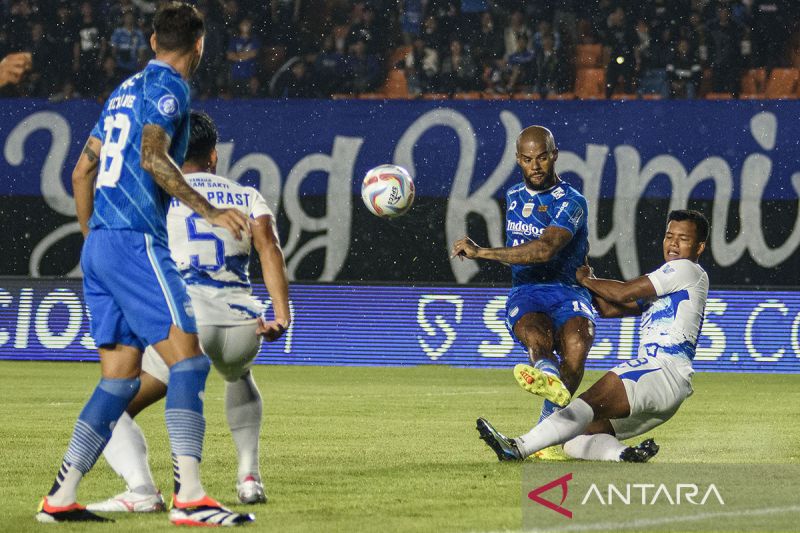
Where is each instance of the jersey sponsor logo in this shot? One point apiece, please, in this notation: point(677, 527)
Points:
point(558, 193)
point(575, 219)
point(512, 206)
point(666, 269)
point(527, 209)
point(168, 105)
point(514, 311)
point(523, 228)
point(542, 208)
point(561, 209)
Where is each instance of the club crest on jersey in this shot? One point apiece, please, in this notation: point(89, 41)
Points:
point(558, 192)
point(527, 209)
point(168, 105)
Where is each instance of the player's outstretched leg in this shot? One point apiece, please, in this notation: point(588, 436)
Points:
point(505, 448)
point(126, 453)
point(186, 427)
point(92, 432)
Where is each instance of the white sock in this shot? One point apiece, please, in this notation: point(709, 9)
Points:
point(600, 447)
point(243, 411)
point(126, 453)
point(190, 487)
point(557, 428)
point(66, 493)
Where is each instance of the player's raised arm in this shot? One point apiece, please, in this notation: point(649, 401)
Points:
point(83, 176)
point(273, 269)
point(541, 250)
point(605, 308)
point(158, 163)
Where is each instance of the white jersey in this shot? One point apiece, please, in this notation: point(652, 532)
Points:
point(671, 321)
point(213, 263)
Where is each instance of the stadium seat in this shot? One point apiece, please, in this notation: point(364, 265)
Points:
point(652, 96)
point(590, 84)
point(783, 83)
point(372, 96)
point(561, 96)
point(589, 56)
point(624, 96)
point(435, 96)
point(342, 96)
point(468, 95)
point(397, 55)
point(526, 96)
point(753, 83)
point(495, 96)
point(719, 96)
point(396, 86)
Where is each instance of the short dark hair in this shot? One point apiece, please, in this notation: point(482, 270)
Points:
point(177, 26)
point(203, 137)
point(699, 219)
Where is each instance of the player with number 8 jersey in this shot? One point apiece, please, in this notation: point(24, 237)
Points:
point(123, 182)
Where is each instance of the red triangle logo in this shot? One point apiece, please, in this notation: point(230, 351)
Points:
point(560, 482)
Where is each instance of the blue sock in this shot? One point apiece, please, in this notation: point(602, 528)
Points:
point(184, 410)
point(96, 421)
point(548, 408)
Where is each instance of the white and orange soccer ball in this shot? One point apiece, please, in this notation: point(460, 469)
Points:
point(388, 191)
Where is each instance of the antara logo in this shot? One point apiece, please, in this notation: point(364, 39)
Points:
point(560, 482)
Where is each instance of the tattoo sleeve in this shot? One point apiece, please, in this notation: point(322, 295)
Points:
point(165, 172)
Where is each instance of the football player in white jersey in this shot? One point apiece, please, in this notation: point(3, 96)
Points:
point(214, 266)
point(638, 395)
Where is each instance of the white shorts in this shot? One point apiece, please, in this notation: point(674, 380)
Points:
point(656, 388)
point(231, 349)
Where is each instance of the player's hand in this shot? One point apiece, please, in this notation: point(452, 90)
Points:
point(584, 271)
point(272, 330)
point(14, 66)
point(465, 248)
point(232, 220)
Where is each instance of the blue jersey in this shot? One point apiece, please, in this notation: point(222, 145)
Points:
point(528, 213)
point(126, 197)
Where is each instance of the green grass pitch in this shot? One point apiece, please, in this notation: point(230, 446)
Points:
point(367, 449)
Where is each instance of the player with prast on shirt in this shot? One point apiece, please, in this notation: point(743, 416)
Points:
point(215, 267)
point(638, 395)
point(123, 182)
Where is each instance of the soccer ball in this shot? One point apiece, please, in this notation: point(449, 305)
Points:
point(388, 191)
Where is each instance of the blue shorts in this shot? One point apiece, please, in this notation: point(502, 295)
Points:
point(133, 289)
point(557, 301)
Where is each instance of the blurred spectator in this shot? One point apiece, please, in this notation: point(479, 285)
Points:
point(88, 50)
point(18, 26)
point(410, 19)
point(619, 42)
point(565, 18)
point(684, 71)
point(495, 76)
point(212, 73)
point(446, 14)
point(67, 92)
point(470, 19)
point(64, 35)
point(544, 29)
point(488, 44)
point(330, 69)
point(365, 69)
point(724, 54)
point(523, 67)
point(284, 17)
point(515, 29)
point(242, 53)
point(293, 80)
point(422, 67)
point(771, 25)
point(549, 79)
point(458, 70)
point(41, 48)
point(652, 56)
point(368, 30)
point(109, 78)
point(128, 46)
point(433, 36)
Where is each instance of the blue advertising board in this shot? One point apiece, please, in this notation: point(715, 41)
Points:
point(634, 161)
point(743, 331)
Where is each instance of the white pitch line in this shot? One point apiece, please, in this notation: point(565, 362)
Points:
point(647, 522)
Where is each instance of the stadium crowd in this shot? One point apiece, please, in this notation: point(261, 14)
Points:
point(320, 48)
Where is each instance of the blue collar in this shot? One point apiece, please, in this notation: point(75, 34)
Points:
point(157, 63)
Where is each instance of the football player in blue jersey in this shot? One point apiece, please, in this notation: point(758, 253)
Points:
point(643, 393)
point(546, 241)
point(123, 182)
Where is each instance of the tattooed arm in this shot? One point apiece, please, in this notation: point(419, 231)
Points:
point(166, 173)
point(83, 177)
